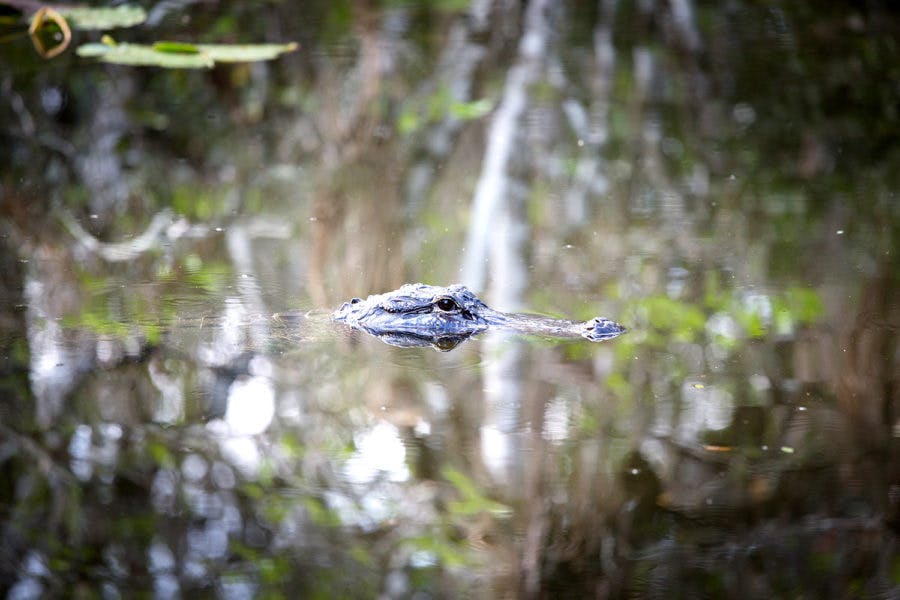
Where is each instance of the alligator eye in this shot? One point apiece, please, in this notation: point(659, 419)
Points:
point(447, 304)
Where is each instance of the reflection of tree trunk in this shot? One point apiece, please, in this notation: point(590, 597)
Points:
point(537, 489)
point(100, 166)
point(497, 233)
point(356, 215)
point(591, 122)
point(13, 325)
point(362, 199)
point(867, 375)
point(356, 248)
point(58, 357)
point(493, 185)
point(456, 71)
point(327, 216)
point(349, 108)
point(240, 250)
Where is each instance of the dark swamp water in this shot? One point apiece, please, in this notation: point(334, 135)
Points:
point(180, 418)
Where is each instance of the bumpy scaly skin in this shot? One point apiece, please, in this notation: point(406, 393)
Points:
point(417, 314)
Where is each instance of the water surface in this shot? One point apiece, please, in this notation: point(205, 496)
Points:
point(179, 415)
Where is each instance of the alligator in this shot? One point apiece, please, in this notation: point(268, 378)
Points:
point(417, 314)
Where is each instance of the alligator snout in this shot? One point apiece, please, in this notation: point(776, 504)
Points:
point(599, 329)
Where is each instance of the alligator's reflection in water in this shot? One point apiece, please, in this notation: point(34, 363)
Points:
point(417, 314)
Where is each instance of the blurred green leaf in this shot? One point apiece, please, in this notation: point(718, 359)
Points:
point(472, 501)
point(161, 455)
point(684, 320)
point(182, 55)
point(245, 52)
point(92, 50)
point(805, 304)
point(320, 514)
point(253, 491)
point(752, 322)
point(618, 385)
point(440, 5)
point(140, 55)
point(361, 554)
point(446, 552)
point(408, 122)
point(209, 277)
point(714, 298)
point(90, 17)
point(471, 110)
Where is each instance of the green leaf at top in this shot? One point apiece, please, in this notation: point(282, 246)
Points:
point(141, 55)
point(245, 52)
point(181, 55)
point(87, 17)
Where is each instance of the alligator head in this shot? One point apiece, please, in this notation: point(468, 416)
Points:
point(419, 315)
point(422, 315)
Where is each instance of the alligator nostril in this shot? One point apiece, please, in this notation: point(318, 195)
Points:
point(355, 300)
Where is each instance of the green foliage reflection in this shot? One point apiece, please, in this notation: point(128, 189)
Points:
point(472, 501)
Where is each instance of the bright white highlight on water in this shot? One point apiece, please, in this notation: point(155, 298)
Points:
point(495, 450)
point(379, 450)
point(707, 407)
point(243, 453)
point(760, 304)
point(194, 467)
point(724, 325)
point(251, 406)
point(556, 420)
